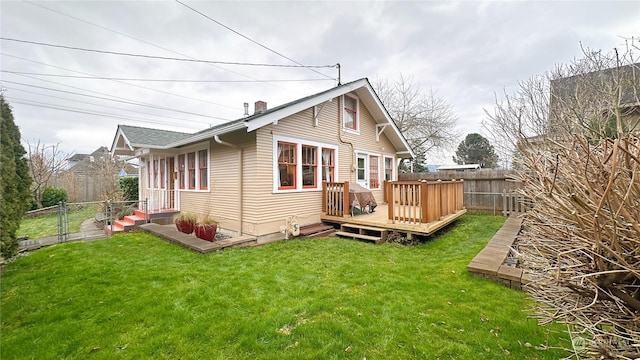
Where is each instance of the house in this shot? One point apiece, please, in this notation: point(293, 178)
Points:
point(465, 167)
point(587, 102)
point(88, 176)
point(255, 172)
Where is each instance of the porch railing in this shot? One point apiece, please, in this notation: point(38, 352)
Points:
point(419, 202)
point(335, 198)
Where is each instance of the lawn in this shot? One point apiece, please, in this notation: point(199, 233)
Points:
point(47, 225)
point(136, 296)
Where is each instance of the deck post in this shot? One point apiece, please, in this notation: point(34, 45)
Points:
point(390, 202)
point(345, 197)
point(423, 202)
point(324, 197)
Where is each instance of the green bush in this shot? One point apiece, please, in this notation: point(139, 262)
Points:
point(129, 187)
point(53, 196)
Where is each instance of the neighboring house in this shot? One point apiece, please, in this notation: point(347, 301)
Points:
point(253, 173)
point(590, 98)
point(89, 177)
point(466, 167)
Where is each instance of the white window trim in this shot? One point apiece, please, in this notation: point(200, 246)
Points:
point(299, 142)
point(344, 128)
point(394, 168)
point(367, 170)
point(169, 172)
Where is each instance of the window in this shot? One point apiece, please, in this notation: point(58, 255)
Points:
point(374, 179)
point(181, 169)
point(162, 171)
point(155, 173)
point(202, 166)
point(350, 114)
point(191, 168)
point(309, 166)
point(388, 168)
point(328, 165)
point(148, 174)
point(286, 165)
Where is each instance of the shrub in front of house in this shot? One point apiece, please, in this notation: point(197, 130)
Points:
point(129, 188)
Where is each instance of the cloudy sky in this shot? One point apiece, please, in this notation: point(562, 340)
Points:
point(466, 51)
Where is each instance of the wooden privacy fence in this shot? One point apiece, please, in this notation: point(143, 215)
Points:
point(420, 202)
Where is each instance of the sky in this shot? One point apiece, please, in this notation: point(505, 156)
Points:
point(466, 51)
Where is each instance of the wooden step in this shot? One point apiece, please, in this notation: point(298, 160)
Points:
point(316, 230)
point(362, 227)
point(376, 239)
point(324, 233)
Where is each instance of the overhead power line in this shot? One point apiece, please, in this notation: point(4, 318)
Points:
point(160, 80)
point(105, 106)
point(148, 43)
point(118, 81)
point(87, 111)
point(162, 57)
point(109, 99)
point(253, 41)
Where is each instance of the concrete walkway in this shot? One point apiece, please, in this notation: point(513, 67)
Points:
point(89, 231)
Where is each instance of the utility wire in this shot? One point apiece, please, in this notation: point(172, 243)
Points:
point(85, 111)
point(105, 106)
point(253, 41)
point(107, 99)
point(160, 80)
point(118, 81)
point(147, 42)
point(163, 57)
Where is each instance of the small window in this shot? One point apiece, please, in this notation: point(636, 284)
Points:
point(191, 168)
point(374, 179)
point(286, 165)
point(309, 166)
point(328, 165)
point(388, 169)
point(181, 170)
point(202, 166)
point(350, 116)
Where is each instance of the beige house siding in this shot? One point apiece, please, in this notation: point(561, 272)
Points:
point(266, 210)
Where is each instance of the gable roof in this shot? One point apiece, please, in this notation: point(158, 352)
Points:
point(129, 137)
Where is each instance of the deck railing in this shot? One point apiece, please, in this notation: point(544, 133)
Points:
point(419, 202)
point(335, 198)
point(408, 202)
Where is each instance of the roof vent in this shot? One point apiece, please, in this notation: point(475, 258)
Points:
point(260, 107)
point(246, 109)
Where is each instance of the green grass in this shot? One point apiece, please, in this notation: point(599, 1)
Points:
point(135, 296)
point(47, 225)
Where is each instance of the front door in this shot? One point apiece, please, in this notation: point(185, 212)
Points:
point(172, 184)
point(362, 177)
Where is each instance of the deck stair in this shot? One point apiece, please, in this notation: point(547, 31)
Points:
point(131, 222)
point(361, 232)
point(316, 230)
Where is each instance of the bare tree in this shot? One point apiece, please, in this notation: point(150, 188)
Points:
point(575, 132)
point(427, 121)
point(45, 161)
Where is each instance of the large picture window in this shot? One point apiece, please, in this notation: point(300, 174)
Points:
point(328, 165)
point(286, 165)
point(203, 167)
point(309, 166)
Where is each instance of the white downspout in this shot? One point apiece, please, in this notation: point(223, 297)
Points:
point(240, 180)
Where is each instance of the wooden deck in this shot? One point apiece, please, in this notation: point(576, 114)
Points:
point(379, 219)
